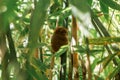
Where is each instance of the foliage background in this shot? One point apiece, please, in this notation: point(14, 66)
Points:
point(29, 24)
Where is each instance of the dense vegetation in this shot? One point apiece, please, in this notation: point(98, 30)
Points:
point(26, 28)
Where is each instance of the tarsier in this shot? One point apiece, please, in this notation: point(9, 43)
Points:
point(59, 38)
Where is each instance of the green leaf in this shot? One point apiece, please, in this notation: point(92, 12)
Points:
point(112, 4)
point(104, 9)
point(107, 60)
point(111, 75)
point(98, 25)
point(55, 7)
point(80, 49)
point(11, 6)
point(94, 64)
point(32, 72)
point(82, 5)
point(61, 50)
point(104, 40)
point(40, 66)
point(90, 2)
point(63, 13)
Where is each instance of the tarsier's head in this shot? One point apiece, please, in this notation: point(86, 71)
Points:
point(61, 30)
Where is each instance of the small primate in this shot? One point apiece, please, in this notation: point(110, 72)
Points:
point(59, 38)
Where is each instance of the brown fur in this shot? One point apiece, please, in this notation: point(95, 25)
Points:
point(59, 38)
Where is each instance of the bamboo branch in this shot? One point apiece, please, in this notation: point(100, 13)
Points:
point(11, 45)
point(88, 59)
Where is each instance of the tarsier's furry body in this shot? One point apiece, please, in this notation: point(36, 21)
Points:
point(59, 38)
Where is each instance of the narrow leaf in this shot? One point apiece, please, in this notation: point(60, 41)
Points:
point(61, 51)
point(111, 75)
point(105, 10)
point(112, 4)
